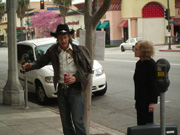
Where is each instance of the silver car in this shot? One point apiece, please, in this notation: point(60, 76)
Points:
point(130, 44)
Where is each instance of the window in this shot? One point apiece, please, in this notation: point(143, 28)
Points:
point(22, 49)
point(152, 9)
point(132, 40)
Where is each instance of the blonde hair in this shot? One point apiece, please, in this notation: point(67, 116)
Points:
point(147, 49)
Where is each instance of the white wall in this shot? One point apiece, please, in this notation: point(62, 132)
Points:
point(154, 29)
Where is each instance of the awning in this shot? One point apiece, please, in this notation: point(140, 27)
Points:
point(123, 24)
point(105, 24)
point(97, 26)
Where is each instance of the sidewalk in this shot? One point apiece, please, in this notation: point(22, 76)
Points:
point(165, 48)
point(38, 120)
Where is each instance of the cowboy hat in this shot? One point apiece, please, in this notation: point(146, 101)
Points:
point(61, 30)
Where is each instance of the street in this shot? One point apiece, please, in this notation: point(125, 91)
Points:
point(116, 108)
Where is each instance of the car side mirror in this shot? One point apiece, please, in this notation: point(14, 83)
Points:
point(25, 58)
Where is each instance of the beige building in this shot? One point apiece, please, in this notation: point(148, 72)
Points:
point(138, 18)
point(146, 19)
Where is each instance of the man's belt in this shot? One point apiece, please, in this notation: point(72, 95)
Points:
point(63, 86)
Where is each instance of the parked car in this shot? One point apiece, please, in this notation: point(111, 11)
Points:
point(41, 81)
point(130, 44)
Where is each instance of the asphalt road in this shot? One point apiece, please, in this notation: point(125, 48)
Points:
point(116, 108)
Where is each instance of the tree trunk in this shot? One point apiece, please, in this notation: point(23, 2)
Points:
point(0, 41)
point(90, 36)
point(21, 20)
point(91, 18)
point(63, 12)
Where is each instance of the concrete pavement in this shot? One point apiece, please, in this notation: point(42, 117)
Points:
point(37, 120)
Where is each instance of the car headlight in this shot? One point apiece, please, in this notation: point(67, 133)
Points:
point(49, 79)
point(99, 71)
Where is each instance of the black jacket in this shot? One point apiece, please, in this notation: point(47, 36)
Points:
point(144, 80)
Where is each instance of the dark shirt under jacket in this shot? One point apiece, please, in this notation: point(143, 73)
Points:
point(144, 80)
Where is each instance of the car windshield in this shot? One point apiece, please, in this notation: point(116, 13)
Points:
point(41, 50)
point(138, 39)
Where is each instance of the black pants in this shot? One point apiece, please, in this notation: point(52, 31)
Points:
point(143, 114)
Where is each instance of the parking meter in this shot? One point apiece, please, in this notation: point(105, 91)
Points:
point(162, 67)
point(162, 83)
point(25, 59)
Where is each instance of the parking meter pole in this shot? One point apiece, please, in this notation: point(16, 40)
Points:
point(162, 113)
point(162, 84)
point(26, 92)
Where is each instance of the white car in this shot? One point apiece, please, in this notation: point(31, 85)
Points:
point(130, 44)
point(41, 81)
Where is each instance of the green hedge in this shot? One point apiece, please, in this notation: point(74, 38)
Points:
point(109, 46)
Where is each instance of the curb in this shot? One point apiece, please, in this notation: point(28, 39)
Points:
point(169, 50)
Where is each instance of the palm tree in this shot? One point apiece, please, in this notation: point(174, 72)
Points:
point(2, 10)
point(21, 9)
point(63, 7)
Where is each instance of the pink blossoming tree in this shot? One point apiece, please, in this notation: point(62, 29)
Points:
point(45, 22)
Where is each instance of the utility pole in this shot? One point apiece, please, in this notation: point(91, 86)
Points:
point(169, 26)
point(13, 93)
point(28, 23)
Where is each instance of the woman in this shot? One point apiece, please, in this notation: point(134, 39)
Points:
point(144, 80)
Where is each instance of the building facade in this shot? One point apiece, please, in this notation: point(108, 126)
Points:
point(124, 19)
point(136, 18)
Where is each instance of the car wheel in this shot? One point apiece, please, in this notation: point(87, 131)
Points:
point(122, 49)
point(41, 95)
point(133, 48)
point(102, 92)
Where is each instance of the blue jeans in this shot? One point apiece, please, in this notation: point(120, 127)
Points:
point(71, 107)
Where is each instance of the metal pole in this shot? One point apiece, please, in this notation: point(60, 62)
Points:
point(28, 34)
point(26, 91)
point(13, 93)
point(169, 31)
point(162, 113)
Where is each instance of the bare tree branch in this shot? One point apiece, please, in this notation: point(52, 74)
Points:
point(102, 10)
point(95, 6)
point(88, 8)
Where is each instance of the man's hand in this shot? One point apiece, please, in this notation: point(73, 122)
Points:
point(71, 80)
point(26, 66)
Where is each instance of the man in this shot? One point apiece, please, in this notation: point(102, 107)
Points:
point(67, 58)
point(177, 38)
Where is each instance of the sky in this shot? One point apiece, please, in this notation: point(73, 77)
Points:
point(73, 2)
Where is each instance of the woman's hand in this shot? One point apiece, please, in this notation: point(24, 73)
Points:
point(151, 107)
